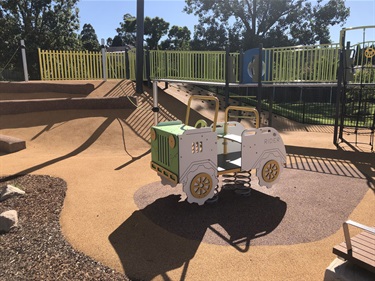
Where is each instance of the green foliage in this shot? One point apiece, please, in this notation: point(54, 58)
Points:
point(212, 37)
point(89, 38)
point(116, 42)
point(155, 28)
point(178, 39)
point(42, 24)
point(127, 32)
point(273, 23)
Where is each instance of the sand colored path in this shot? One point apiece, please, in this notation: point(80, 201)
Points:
point(116, 211)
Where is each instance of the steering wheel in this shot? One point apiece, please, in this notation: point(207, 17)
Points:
point(200, 123)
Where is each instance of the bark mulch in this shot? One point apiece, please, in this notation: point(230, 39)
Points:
point(36, 249)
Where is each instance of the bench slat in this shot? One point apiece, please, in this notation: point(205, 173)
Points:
point(369, 236)
point(363, 251)
point(355, 258)
point(364, 244)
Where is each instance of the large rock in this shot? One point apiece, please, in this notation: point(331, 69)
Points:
point(8, 220)
point(10, 191)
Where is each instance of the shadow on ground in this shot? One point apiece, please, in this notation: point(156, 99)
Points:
point(98, 132)
point(351, 164)
point(165, 234)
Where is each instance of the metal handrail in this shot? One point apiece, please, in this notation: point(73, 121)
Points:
point(215, 99)
point(242, 108)
point(347, 234)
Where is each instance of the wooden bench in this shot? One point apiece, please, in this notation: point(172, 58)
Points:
point(360, 249)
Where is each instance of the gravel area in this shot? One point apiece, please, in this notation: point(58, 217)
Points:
point(36, 249)
point(303, 207)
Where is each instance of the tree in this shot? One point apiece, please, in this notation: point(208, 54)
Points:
point(116, 42)
point(89, 38)
point(42, 24)
point(287, 21)
point(178, 39)
point(155, 28)
point(127, 31)
point(213, 36)
point(8, 44)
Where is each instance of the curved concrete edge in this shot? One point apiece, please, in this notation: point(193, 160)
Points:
point(10, 144)
point(340, 270)
point(38, 105)
point(43, 86)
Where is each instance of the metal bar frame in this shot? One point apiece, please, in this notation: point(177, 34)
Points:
point(347, 234)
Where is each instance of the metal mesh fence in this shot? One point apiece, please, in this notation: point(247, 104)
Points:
point(11, 65)
point(310, 105)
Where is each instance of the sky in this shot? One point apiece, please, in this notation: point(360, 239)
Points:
point(105, 16)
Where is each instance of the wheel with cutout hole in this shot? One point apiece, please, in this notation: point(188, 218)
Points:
point(200, 184)
point(269, 172)
point(200, 123)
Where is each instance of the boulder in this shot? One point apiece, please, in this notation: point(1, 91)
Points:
point(8, 220)
point(10, 191)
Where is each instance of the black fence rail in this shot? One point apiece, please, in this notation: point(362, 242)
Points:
point(359, 106)
point(315, 104)
point(11, 75)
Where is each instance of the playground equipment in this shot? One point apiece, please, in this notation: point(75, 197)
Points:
point(355, 108)
point(196, 155)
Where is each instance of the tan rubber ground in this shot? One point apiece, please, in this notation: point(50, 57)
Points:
point(103, 156)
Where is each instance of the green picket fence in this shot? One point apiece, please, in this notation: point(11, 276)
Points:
point(302, 64)
point(70, 65)
point(192, 65)
point(317, 64)
point(84, 65)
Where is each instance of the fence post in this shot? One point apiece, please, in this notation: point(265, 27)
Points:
point(226, 91)
point(270, 108)
point(303, 106)
point(148, 67)
point(259, 88)
point(240, 74)
point(24, 61)
point(41, 65)
point(127, 65)
point(155, 109)
point(340, 76)
point(104, 60)
point(139, 46)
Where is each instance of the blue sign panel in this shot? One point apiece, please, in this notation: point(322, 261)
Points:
point(250, 69)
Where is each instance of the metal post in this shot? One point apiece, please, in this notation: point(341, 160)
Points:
point(24, 61)
point(240, 78)
point(226, 91)
point(127, 65)
point(148, 67)
point(155, 109)
point(340, 78)
point(260, 72)
point(139, 46)
point(104, 60)
point(270, 109)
